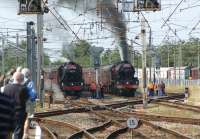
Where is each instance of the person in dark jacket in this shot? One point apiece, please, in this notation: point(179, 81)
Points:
point(7, 116)
point(20, 95)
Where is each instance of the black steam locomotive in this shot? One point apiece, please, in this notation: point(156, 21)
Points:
point(123, 81)
point(70, 81)
point(116, 79)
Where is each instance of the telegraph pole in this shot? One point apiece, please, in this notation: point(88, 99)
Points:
point(29, 44)
point(175, 63)
point(180, 63)
point(198, 61)
point(150, 66)
point(35, 7)
point(144, 52)
point(168, 56)
point(149, 46)
point(33, 57)
point(3, 60)
point(95, 53)
point(31, 51)
point(39, 55)
point(132, 54)
point(168, 61)
point(17, 43)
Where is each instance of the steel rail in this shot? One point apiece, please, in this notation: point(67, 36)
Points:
point(102, 107)
point(166, 130)
point(117, 132)
point(48, 132)
point(109, 107)
point(150, 124)
point(97, 128)
point(122, 127)
point(90, 130)
point(179, 105)
point(66, 125)
point(155, 126)
point(151, 117)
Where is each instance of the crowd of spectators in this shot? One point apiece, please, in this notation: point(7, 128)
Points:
point(17, 97)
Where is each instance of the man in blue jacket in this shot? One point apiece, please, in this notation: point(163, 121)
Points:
point(31, 101)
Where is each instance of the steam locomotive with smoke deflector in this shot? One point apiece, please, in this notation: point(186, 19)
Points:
point(117, 78)
point(69, 78)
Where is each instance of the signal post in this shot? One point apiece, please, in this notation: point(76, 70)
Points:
point(139, 6)
point(95, 52)
point(35, 7)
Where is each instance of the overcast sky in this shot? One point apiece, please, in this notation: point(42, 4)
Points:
point(182, 21)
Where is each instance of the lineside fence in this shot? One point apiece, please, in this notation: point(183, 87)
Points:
point(178, 82)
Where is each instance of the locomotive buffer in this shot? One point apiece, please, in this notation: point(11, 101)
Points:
point(95, 52)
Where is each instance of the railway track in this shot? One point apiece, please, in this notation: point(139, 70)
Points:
point(47, 134)
point(83, 106)
point(162, 131)
point(178, 105)
point(147, 129)
point(112, 128)
point(153, 117)
point(62, 130)
point(119, 127)
point(104, 131)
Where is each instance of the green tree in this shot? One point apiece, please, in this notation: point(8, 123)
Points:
point(173, 51)
point(80, 52)
point(46, 59)
point(14, 58)
point(110, 56)
point(58, 62)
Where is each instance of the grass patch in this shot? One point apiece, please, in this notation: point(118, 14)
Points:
point(174, 89)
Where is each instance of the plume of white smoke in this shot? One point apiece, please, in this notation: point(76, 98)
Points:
point(68, 49)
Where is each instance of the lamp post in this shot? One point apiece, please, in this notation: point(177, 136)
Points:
point(144, 50)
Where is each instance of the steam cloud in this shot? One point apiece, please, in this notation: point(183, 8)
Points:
point(110, 15)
